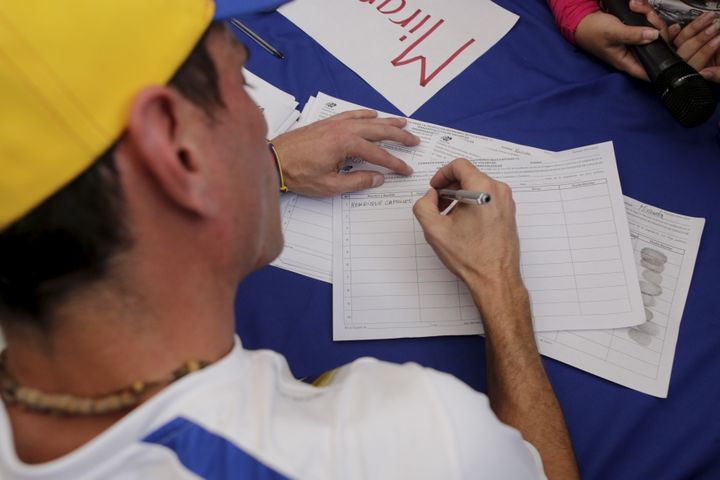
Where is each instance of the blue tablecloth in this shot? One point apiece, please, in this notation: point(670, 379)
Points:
point(536, 89)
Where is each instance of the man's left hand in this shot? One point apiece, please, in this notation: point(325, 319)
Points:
point(311, 156)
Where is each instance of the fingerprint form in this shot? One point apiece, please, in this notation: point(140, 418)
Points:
point(649, 327)
point(649, 288)
point(653, 256)
point(640, 337)
point(652, 266)
point(653, 263)
point(652, 277)
point(648, 300)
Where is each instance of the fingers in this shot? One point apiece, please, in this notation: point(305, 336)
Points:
point(658, 23)
point(385, 129)
point(606, 37)
point(354, 115)
point(426, 209)
point(697, 26)
point(640, 6)
point(628, 63)
point(704, 56)
point(620, 34)
point(364, 125)
point(673, 31)
point(353, 182)
point(359, 147)
point(378, 129)
point(460, 171)
point(464, 173)
point(699, 49)
point(711, 74)
point(643, 7)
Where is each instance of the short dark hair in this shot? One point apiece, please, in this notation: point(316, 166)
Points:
point(70, 239)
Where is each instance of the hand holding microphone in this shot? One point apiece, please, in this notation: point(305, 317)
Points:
point(696, 40)
point(606, 37)
point(684, 92)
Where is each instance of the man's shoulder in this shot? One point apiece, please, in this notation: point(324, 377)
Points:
point(443, 420)
point(368, 378)
point(373, 420)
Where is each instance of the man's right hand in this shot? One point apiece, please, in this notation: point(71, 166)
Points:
point(479, 243)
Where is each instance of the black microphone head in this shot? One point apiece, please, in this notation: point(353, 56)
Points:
point(687, 95)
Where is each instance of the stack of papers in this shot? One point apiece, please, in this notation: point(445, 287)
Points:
point(279, 108)
point(608, 275)
point(665, 246)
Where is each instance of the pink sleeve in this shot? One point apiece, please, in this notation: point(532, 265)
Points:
point(569, 13)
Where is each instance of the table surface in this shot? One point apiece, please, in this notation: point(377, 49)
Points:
point(536, 89)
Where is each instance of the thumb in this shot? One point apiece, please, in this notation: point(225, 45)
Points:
point(623, 34)
point(711, 74)
point(640, 6)
point(359, 180)
point(426, 209)
point(629, 64)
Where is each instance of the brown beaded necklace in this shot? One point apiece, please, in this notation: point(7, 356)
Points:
point(69, 405)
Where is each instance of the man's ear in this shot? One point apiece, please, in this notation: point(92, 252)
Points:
point(158, 129)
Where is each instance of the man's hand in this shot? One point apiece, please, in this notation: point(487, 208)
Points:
point(311, 156)
point(477, 243)
point(606, 37)
point(480, 245)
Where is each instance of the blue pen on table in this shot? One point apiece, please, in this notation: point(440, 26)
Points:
point(257, 38)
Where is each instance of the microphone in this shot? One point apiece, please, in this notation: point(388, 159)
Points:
point(683, 91)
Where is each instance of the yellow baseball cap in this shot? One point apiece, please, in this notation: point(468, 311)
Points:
point(69, 71)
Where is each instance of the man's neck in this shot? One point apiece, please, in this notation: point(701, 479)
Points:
point(92, 351)
point(108, 337)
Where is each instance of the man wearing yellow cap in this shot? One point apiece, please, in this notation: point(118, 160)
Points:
point(136, 192)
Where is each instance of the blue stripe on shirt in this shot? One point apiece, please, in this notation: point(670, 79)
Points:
point(209, 455)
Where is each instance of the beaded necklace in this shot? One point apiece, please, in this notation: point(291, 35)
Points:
point(69, 405)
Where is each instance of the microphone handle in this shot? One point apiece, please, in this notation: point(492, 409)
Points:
point(656, 56)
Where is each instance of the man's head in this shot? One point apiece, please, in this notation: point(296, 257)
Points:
point(185, 171)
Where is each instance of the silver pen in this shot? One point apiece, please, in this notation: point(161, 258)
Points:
point(465, 196)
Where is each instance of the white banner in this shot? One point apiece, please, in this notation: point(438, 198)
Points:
point(406, 49)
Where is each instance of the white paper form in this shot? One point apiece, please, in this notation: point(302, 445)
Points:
point(307, 222)
point(406, 49)
point(307, 226)
point(665, 246)
point(278, 107)
point(576, 255)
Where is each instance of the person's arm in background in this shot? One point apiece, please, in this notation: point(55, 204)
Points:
point(583, 23)
point(569, 13)
point(606, 37)
point(698, 43)
point(480, 245)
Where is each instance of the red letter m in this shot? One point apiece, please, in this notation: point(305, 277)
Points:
point(400, 60)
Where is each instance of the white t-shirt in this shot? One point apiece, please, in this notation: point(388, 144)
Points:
point(247, 417)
